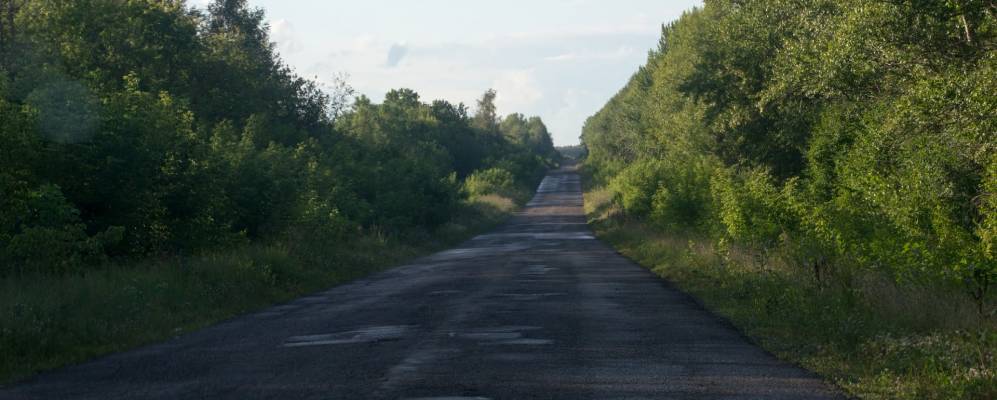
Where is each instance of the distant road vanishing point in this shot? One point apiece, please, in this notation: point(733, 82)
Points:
point(538, 309)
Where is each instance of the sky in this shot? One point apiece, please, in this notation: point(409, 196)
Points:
point(557, 59)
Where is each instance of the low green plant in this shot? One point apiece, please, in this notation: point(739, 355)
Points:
point(873, 336)
point(495, 181)
point(49, 237)
point(636, 185)
point(682, 199)
point(51, 320)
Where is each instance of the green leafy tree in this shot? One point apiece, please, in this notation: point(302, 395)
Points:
point(846, 131)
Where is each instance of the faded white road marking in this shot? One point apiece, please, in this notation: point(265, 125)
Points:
point(522, 342)
point(530, 296)
point(365, 335)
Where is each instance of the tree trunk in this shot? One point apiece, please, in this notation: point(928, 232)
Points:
point(967, 30)
point(3, 31)
point(8, 31)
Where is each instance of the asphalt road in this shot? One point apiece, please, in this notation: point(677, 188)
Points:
point(536, 309)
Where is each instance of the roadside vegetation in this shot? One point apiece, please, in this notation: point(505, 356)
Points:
point(576, 152)
point(161, 168)
point(823, 173)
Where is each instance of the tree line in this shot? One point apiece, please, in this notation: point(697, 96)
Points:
point(149, 127)
point(855, 137)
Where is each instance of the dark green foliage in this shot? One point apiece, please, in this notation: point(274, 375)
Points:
point(845, 132)
point(52, 320)
point(840, 158)
point(138, 128)
point(50, 237)
point(883, 346)
point(576, 152)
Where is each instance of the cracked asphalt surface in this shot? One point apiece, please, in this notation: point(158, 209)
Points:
point(538, 309)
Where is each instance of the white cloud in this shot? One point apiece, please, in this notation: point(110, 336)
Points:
point(562, 57)
point(282, 33)
point(517, 91)
point(562, 75)
point(563, 78)
point(620, 52)
point(561, 61)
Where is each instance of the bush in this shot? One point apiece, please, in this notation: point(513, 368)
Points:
point(51, 239)
point(491, 181)
point(318, 219)
point(187, 162)
point(750, 207)
point(683, 198)
point(636, 184)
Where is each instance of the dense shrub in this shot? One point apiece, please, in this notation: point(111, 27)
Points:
point(636, 184)
point(840, 131)
point(146, 128)
point(491, 181)
point(683, 198)
point(50, 238)
point(749, 206)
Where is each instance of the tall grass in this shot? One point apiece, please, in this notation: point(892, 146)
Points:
point(50, 321)
point(870, 336)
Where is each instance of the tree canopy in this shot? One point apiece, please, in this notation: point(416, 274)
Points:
point(850, 133)
point(134, 128)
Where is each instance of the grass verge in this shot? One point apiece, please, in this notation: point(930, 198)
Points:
point(47, 322)
point(872, 338)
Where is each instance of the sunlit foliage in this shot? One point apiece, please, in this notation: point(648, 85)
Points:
point(146, 127)
point(858, 136)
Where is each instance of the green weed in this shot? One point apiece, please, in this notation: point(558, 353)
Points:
point(50, 321)
point(873, 338)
